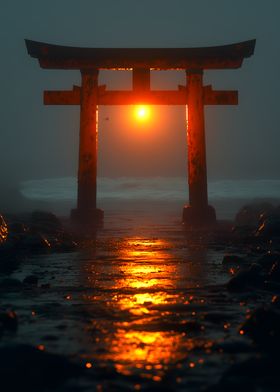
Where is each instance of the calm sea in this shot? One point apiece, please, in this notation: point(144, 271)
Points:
point(169, 190)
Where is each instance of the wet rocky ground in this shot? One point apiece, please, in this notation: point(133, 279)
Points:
point(143, 303)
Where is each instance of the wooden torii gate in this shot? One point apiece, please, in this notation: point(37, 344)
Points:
point(141, 61)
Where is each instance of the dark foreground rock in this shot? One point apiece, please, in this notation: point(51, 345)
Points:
point(3, 230)
point(232, 259)
point(260, 221)
point(259, 373)
point(249, 215)
point(26, 368)
point(8, 321)
point(263, 327)
point(38, 232)
point(45, 222)
point(247, 278)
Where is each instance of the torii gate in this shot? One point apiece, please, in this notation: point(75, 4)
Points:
point(141, 61)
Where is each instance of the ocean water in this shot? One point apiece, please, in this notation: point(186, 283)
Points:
point(149, 189)
point(155, 195)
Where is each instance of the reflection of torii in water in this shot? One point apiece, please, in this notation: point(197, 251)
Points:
point(141, 61)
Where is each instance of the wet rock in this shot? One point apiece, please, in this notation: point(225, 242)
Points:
point(233, 259)
point(45, 286)
point(50, 338)
point(63, 244)
point(9, 259)
point(8, 321)
point(275, 301)
point(10, 284)
point(246, 278)
point(25, 368)
point(34, 242)
point(30, 280)
point(274, 273)
point(263, 327)
point(45, 222)
point(267, 260)
point(48, 226)
point(249, 215)
point(269, 228)
point(3, 230)
point(36, 232)
point(260, 373)
point(18, 228)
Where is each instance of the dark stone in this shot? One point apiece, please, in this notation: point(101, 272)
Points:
point(8, 321)
point(260, 373)
point(233, 259)
point(249, 215)
point(274, 273)
point(45, 286)
point(247, 278)
point(25, 368)
point(45, 222)
point(10, 284)
point(268, 259)
point(33, 242)
point(63, 244)
point(263, 327)
point(3, 230)
point(269, 228)
point(18, 228)
point(31, 280)
point(50, 338)
point(275, 301)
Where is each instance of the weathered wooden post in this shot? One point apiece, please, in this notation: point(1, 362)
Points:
point(198, 211)
point(86, 210)
point(141, 79)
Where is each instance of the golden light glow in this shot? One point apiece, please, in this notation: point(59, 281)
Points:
point(142, 113)
point(145, 266)
point(143, 284)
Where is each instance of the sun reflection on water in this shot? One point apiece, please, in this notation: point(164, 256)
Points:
point(145, 350)
point(145, 275)
point(149, 320)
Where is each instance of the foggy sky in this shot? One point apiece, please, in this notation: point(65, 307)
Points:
point(40, 141)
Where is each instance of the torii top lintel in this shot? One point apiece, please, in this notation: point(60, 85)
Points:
point(213, 57)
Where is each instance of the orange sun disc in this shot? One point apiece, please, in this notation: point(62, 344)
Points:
point(142, 113)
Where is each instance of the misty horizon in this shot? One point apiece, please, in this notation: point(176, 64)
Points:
point(42, 141)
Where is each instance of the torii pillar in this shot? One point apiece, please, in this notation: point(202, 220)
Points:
point(198, 211)
point(86, 210)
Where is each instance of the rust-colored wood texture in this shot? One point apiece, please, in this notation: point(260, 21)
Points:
point(141, 61)
point(66, 57)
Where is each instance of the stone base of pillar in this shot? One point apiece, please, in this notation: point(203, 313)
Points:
point(196, 217)
point(88, 217)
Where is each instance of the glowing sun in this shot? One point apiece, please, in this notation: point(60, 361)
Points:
point(142, 113)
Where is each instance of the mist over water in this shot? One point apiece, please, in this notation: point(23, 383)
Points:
point(59, 194)
point(155, 188)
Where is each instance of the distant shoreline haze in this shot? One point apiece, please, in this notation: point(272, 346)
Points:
point(149, 188)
